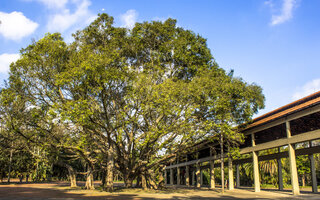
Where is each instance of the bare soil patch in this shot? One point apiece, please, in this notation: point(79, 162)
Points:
point(61, 190)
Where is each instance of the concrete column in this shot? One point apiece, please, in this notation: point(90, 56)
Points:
point(198, 175)
point(178, 176)
point(293, 170)
point(237, 176)
point(293, 164)
point(313, 174)
point(171, 176)
point(313, 171)
point(212, 181)
point(165, 177)
point(187, 176)
point(230, 172)
point(280, 181)
point(256, 175)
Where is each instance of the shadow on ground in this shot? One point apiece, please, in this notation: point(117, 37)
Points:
point(52, 191)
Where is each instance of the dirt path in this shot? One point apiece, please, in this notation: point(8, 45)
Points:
point(61, 190)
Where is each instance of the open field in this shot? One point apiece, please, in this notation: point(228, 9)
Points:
point(61, 190)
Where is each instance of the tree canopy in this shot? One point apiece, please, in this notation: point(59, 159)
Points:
point(123, 99)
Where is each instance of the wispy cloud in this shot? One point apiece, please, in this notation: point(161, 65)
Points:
point(307, 89)
point(129, 18)
point(64, 19)
point(66, 14)
point(52, 4)
point(284, 14)
point(160, 19)
point(5, 61)
point(15, 25)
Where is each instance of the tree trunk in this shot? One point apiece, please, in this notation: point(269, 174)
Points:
point(103, 177)
point(128, 178)
point(161, 178)
point(303, 180)
point(89, 180)
point(117, 178)
point(20, 178)
point(35, 178)
point(110, 166)
point(150, 179)
point(138, 184)
point(72, 175)
point(10, 163)
point(128, 182)
point(27, 178)
point(222, 163)
point(73, 180)
point(49, 177)
point(144, 181)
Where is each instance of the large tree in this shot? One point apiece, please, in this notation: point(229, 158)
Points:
point(131, 99)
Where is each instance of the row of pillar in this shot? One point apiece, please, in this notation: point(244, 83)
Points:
point(256, 175)
point(197, 176)
point(293, 171)
point(293, 167)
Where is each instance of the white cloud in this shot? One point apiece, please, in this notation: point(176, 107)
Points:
point(63, 19)
point(53, 4)
point(15, 25)
point(160, 19)
point(286, 11)
point(5, 61)
point(309, 88)
point(129, 18)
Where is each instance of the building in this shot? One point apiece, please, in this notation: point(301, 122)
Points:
point(282, 129)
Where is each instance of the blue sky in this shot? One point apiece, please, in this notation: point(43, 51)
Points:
point(274, 43)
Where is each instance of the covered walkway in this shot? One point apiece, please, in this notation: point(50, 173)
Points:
point(289, 131)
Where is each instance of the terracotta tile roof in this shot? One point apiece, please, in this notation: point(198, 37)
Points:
point(285, 110)
point(290, 108)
